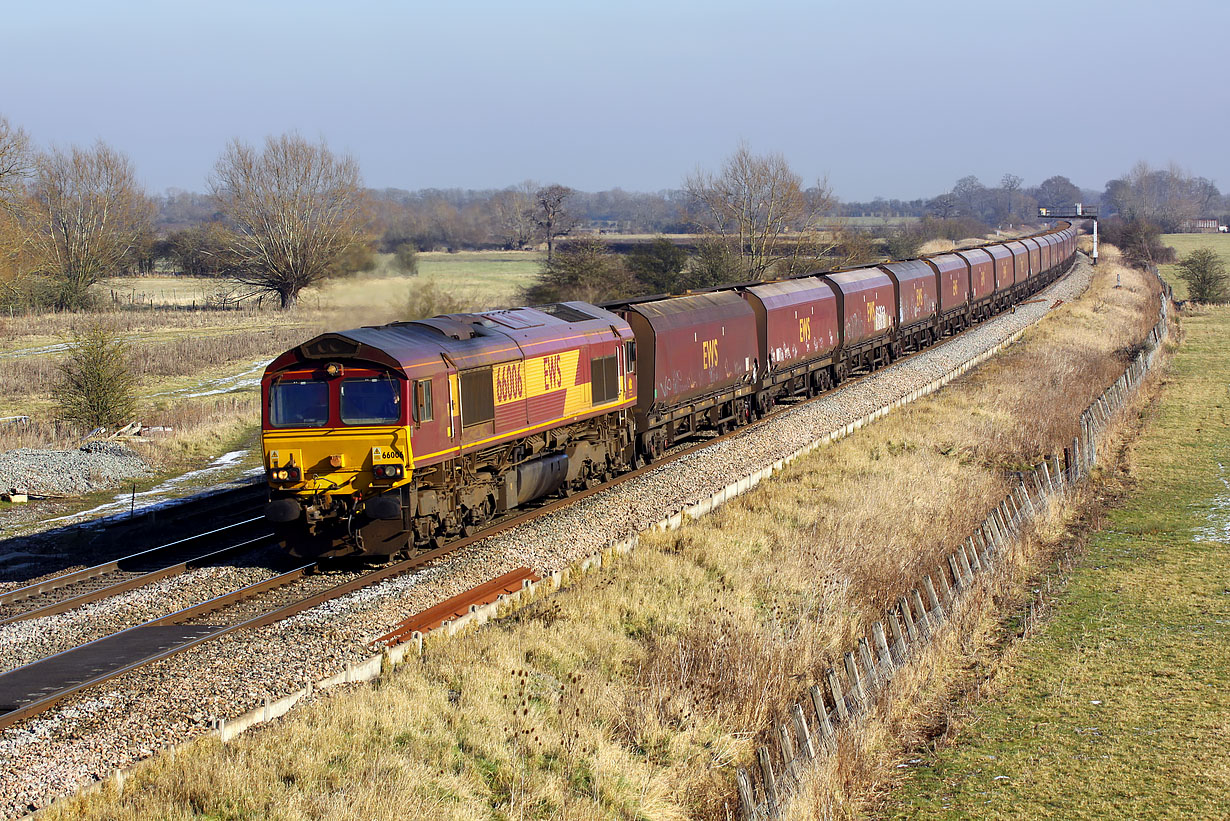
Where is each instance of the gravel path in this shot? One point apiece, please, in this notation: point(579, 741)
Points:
point(173, 700)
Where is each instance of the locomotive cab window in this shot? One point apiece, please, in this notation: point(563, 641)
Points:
point(299, 404)
point(630, 356)
point(422, 401)
point(370, 401)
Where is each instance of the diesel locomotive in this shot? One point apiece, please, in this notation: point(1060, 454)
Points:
point(379, 441)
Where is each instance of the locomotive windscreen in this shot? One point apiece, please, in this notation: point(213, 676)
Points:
point(370, 401)
point(299, 404)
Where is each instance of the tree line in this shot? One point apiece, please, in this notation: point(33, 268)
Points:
point(283, 215)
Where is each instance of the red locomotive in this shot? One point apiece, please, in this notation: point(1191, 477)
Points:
point(382, 440)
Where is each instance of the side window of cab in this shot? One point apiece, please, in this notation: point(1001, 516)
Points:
point(422, 401)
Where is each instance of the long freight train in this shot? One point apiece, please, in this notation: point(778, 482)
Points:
point(383, 440)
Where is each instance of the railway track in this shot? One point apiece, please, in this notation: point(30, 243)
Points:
point(34, 688)
point(69, 591)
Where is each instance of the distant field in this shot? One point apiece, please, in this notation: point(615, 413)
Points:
point(488, 278)
point(1185, 244)
point(1118, 707)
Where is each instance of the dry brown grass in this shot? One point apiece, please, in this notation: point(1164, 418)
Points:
point(637, 692)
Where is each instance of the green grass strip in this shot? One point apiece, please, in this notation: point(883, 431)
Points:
point(1119, 707)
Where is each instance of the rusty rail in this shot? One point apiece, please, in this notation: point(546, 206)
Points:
point(459, 605)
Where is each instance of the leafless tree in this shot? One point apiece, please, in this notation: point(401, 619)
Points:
point(15, 164)
point(294, 208)
point(85, 217)
point(759, 208)
point(1166, 197)
point(515, 215)
point(944, 206)
point(552, 217)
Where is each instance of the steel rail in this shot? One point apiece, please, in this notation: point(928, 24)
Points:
point(134, 582)
point(64, 580)
point(43, 704)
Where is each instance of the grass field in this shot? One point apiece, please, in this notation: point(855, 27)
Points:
point(1120, 706)
point(1184, 244)
point(490, 278)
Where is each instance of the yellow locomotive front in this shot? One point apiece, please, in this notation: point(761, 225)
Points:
point(336, 441)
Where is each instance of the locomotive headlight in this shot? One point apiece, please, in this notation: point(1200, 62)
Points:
point(333, 369)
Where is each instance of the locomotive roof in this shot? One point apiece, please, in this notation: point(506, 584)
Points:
point(467, 340)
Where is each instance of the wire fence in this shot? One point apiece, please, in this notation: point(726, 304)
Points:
point(853, 685)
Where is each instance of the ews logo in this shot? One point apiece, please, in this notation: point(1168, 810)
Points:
point(805, 329)
point(709, 353)
point(552, 373)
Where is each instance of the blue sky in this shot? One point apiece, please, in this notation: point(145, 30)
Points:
point(889, 98)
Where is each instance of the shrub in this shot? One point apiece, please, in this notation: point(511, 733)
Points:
point(96, 386)
point(659, 266)
point(406, 259)
point(1205, 275)
point(426, 298)
point(1139, 241)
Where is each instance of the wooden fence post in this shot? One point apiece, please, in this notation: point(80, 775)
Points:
point(822, 716)
point(973, 559)
point(857, 691)
point(839, 698)
point(874, 679)
point(886, 657)
point(898, 638)
point(937, 611)
point(963, 560)
point(770, 783)
point(956, 571)
point(803, 732)
point(944, 587)
point(921, 612)
point(747, 799)
point(785, 745)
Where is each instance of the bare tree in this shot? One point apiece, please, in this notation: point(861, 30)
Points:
point(1010, 185)
point(15, 166)
point(758, 207)
point(553, 218)
point(1166, 197)
point(944, 206)
point(86, 217)
point(970, 195)
point(515, 215)
point(294, 209)
point(15, 163)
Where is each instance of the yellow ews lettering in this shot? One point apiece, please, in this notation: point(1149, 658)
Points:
point(552, 373)
point(509, 384)
point(710, 353)
point(918, 297)
point(954, 286)
point(805, 329)
point(871, 314)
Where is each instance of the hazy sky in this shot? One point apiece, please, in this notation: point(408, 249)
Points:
point(889, 98)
